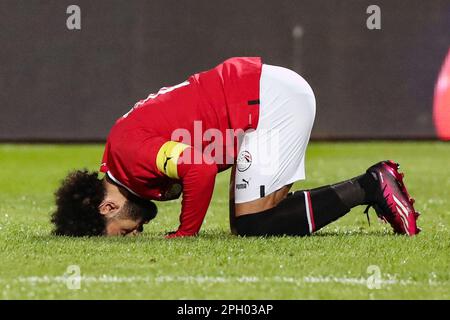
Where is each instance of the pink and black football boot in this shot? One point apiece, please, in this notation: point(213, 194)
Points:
point(391, 200)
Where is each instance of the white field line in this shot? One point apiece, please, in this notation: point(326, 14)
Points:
point(34, 280)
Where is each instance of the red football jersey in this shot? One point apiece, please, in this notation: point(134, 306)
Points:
point(144, 147)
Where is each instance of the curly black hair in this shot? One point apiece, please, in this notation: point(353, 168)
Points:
point(77, 202)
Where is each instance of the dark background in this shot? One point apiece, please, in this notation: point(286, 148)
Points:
point(62, 85)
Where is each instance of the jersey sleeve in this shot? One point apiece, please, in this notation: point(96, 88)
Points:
point(197, 175)
point(198, 180)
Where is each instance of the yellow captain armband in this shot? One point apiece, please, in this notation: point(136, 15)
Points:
point(167, 158)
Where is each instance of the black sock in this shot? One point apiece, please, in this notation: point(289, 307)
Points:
point(304, 212)
point(326, 206)
point(301, 213)
point(355, 191)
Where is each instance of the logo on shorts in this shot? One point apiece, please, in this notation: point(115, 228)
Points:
point(244, 161)
point(243, 185)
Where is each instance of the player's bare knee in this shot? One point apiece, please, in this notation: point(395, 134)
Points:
point(262, 204)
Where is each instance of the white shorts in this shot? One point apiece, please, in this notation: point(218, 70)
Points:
point(273, 155)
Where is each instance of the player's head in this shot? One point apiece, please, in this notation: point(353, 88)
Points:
point(88, 206)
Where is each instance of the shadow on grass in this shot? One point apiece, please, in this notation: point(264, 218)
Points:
point(215, 234)
point(354, 233)
point(207, 235)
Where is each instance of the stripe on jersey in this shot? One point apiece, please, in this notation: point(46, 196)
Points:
point(167, 158)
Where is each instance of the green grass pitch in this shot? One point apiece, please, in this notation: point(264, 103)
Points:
point(333, 264)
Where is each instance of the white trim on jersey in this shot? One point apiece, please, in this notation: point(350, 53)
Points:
point(121, 184)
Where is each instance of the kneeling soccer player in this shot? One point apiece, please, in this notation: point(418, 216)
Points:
point(244, 114)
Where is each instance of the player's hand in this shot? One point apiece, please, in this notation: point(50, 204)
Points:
point(178, 234)
point(170, 235)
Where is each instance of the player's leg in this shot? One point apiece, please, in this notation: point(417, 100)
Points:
point(261, 204)
point(306, 211)
point(272, 158)
point(254, 206)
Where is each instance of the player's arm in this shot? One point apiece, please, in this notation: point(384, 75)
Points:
point(231, 201)
point(176, 160)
